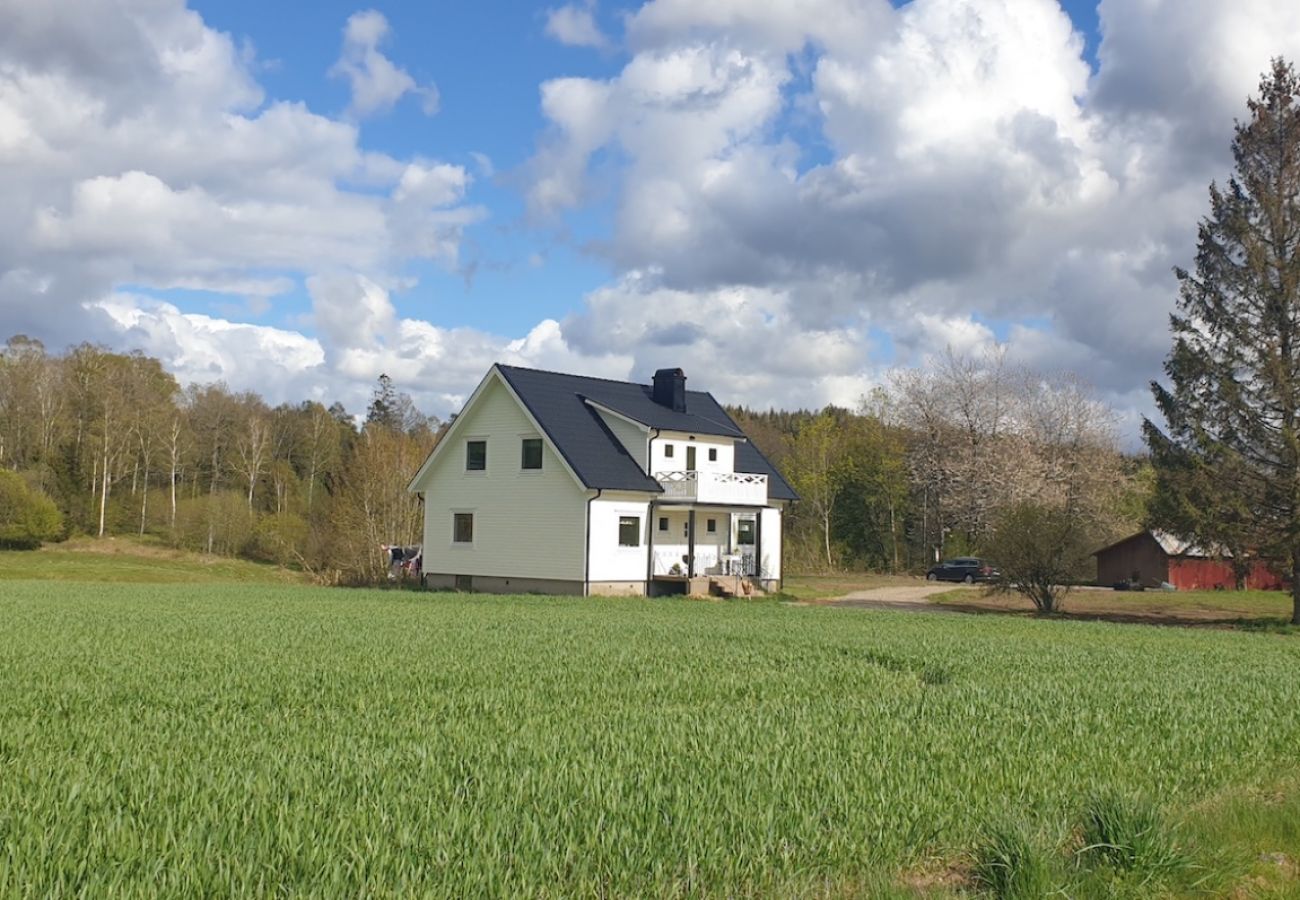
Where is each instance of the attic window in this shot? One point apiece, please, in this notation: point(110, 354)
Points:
point(475, 456)
point(531, 454)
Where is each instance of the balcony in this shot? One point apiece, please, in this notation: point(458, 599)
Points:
point(722, 488)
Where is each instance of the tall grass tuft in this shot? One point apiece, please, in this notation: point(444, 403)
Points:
point(1129, 834)
point(1009, 862)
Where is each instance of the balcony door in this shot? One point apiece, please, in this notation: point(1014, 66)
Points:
point(690, 459)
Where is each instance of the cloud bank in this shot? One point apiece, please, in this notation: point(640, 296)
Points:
point(805, 193)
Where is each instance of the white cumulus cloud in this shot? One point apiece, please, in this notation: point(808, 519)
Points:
point(575, 26)
point(377, 82)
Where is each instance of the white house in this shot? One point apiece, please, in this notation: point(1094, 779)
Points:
point(564, 484)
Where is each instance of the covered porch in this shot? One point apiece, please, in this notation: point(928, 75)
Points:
point(693, 541)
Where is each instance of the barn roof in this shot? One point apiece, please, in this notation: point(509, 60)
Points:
point(559, 403)
point(1171, 544)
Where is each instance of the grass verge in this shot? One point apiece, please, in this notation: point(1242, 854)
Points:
point(136, 561)
point(1252, 610)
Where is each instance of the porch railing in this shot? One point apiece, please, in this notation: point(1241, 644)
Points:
point(714, 487)
point(708, 561)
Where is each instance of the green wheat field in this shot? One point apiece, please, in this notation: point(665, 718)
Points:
point(233, 739)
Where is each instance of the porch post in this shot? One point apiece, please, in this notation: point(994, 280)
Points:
point(690, 544)
point(650, 550)
point(758, 545)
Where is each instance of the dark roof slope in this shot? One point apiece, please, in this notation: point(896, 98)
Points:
point(558, 403)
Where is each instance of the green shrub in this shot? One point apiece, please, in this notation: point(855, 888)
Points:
point(27, 516)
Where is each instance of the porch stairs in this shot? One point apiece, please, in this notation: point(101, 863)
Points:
point(725, 586)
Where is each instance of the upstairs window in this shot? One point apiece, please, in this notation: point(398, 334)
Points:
point(629, 531)
point(531, 453)
point(462, 528)
point(475, 456)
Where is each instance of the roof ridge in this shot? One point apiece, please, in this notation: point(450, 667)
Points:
point(569, 375)
point(502, 365)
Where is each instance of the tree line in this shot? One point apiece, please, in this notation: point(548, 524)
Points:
point(101, 443)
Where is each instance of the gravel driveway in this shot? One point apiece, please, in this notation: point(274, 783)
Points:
point(913, 598)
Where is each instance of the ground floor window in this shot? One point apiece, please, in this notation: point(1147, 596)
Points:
point(663, 523)
point(462, 528)
point(711, 526)
point(629, 531)
point(745, 532)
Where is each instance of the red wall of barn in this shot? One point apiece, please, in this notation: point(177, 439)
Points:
point(1190, 574)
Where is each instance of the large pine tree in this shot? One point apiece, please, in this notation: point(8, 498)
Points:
point(1229, 460)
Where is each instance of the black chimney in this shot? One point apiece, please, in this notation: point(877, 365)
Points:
point(670, 389)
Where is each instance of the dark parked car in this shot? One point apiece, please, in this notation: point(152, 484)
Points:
point(964, 568)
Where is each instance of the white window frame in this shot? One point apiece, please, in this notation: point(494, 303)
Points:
point(640, 517)
point(531, 437)
point(487, 450)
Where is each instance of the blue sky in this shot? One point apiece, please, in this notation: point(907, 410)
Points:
point(487, 60)
point(790, 199)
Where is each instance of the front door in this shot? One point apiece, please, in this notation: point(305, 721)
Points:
point(746, 529)
point(690, 459)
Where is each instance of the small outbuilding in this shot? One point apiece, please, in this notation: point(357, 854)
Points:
point(1153, 558)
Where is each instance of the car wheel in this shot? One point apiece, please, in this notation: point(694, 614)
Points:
point(969, 579)
point(931, 577)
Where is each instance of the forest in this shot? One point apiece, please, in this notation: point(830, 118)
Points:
point(99, 443)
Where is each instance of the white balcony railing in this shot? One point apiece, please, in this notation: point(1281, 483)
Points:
point(714, 487)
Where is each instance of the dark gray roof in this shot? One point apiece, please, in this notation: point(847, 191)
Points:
point(558, 403)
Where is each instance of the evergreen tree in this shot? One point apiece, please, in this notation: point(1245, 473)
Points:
point(384, 406)
point(1229, 459)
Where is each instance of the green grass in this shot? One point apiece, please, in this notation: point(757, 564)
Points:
point(135, 561)
point(228, 739)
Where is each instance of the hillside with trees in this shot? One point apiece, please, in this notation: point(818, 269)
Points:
point(935, 462)
point(100, 443)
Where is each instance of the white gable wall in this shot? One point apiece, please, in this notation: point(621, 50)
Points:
point(527, 524)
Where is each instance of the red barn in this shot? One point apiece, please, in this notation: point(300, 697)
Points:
point(1152, 558)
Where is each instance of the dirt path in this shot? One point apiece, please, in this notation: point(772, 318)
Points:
point(913, 598)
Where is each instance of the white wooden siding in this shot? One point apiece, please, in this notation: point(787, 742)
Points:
point(630, 435)
point(527, 524)
point(609, 560)
point(726, 447)
point(771, 563)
